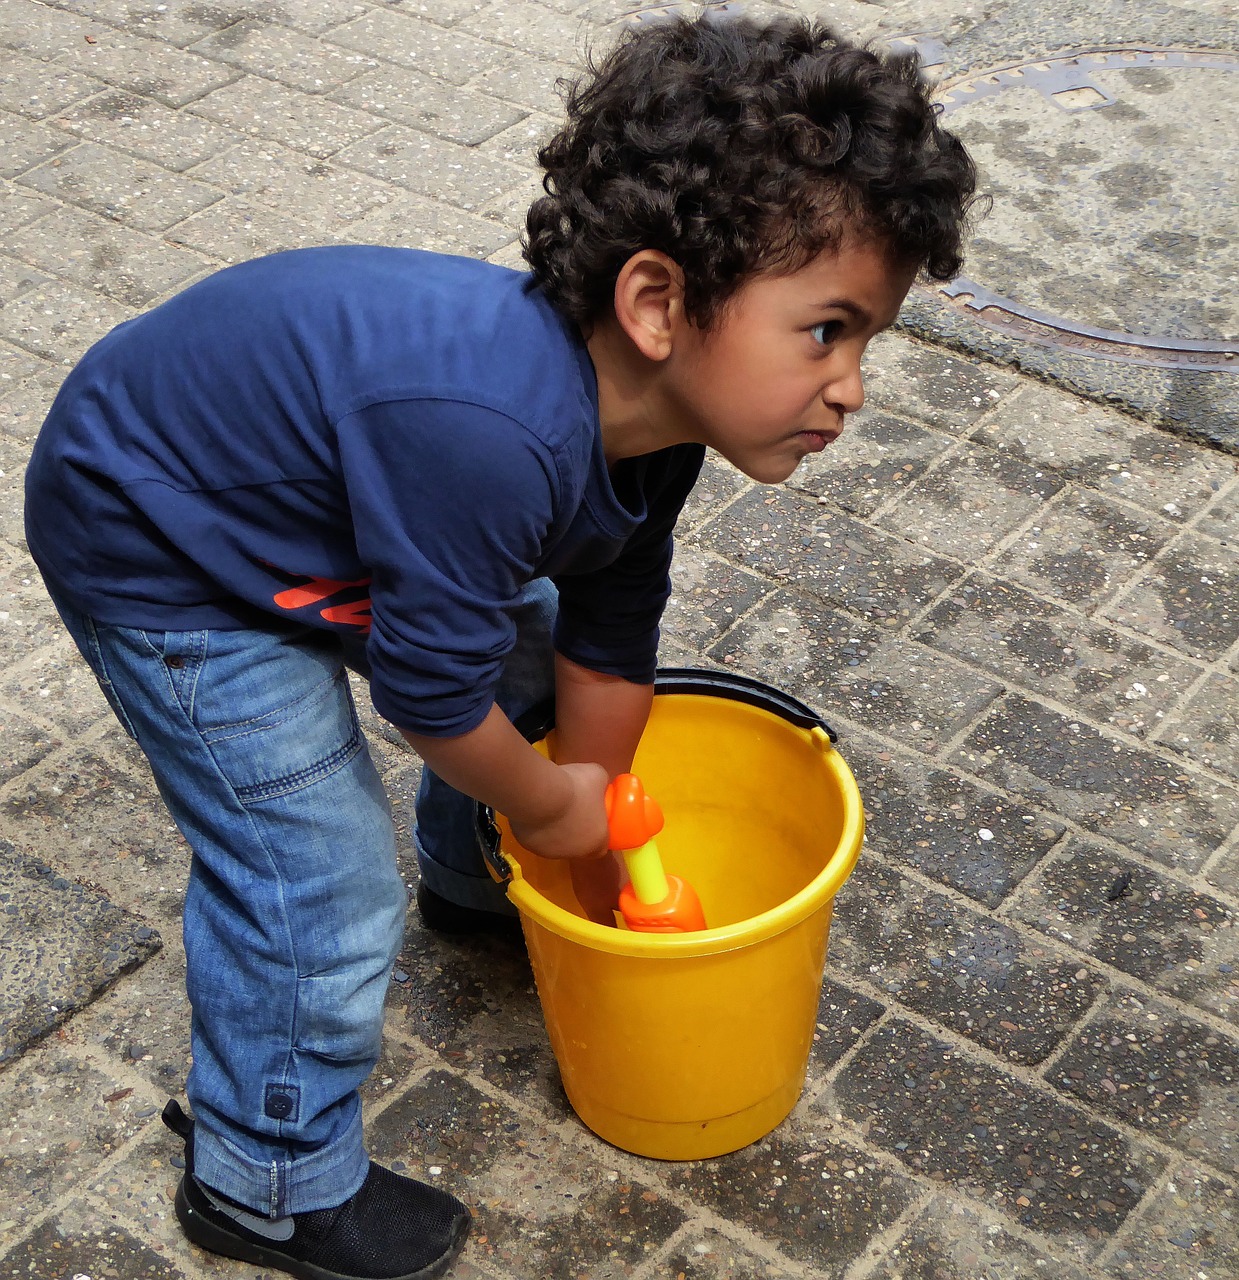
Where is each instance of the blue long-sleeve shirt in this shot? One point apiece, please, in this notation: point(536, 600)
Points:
point(364, 439)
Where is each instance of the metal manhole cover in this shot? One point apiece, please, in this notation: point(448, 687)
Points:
point(1115, 229)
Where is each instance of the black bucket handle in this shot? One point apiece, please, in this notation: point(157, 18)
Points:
point(540, 720)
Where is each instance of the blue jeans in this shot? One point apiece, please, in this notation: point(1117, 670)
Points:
point(295, 909)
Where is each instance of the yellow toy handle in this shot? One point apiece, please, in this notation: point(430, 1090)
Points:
point(652, 902)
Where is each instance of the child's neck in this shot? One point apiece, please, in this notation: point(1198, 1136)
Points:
point(632, 414)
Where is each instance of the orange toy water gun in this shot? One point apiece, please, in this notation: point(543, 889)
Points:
point(652, 901)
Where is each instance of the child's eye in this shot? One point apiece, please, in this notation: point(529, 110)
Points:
point(827, 331)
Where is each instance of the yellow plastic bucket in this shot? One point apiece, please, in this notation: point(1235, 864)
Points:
point(688, 1046)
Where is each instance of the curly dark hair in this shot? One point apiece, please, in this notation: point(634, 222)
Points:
point(738, 147)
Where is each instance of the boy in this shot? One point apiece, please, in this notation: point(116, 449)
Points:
point(463, 482)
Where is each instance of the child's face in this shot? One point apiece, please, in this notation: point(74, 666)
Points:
point(771, 381)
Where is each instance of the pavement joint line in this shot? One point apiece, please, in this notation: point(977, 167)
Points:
point(974, 1195)
point(877, 1248)
point(1219, 855)
point(1057, 946)
point(1160, 1185)
point(1073, 834)
point(1143, 1147)
point(101, 1169)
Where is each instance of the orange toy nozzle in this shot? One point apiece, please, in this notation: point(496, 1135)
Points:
point(632, 816)
point(652, 902)
point(679, 912)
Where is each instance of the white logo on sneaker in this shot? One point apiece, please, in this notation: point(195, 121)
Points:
point(277, 1229)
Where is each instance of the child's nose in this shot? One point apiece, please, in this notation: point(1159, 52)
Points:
point(847, 391)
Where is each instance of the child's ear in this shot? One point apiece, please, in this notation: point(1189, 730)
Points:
point(649, 302)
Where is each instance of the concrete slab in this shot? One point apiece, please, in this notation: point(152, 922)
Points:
point(61, 946)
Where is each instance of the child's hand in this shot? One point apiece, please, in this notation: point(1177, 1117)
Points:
point(578, 828)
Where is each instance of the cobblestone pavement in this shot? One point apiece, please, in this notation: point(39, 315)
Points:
point(1017, 607)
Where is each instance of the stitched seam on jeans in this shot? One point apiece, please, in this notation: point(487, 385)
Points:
point(259, 724)
point(104, 677)
point(303, 777)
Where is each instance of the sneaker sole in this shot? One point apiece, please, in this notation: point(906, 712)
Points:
point(208, 1235)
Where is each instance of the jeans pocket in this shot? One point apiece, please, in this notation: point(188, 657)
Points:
point(275, 727)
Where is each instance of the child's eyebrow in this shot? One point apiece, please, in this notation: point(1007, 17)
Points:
point(855, 310)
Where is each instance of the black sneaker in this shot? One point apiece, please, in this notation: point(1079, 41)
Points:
point(441, 915)
point(392, 1228)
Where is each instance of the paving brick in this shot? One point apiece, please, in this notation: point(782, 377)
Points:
point(527, 80)
point(1084, 549)
point(718, 483)
point(1187, 1231)
point(539, 1205)
point(120, 186)
point(23, 742)
point(447, 13)
point(174, 140)
point(432, 167)
point(1050, 1166)
point(269, 109)
point(59, 321)
point(107, 829)
point(31, 88)
point(62, 1117)
point(1221, 517)
point(876, 457)
point(952, 1241)
point(703, 1253)
point(1136, 796)
point(55, 685)
point(818, 1201)
point(917, 381)
point(843, 1017)
point(149, 67)
point(282, 54)
point(708, 595)
point(311, 16)
point(16, 366)
point(454, 989)
point(1178, 940)
point(235, 230)
point(532, 28)
point(83, 1240)
point(787, 536)
point(102, 256)
point(387, 36)
point(975, 975)
point(1050, 650)
point(433, 106)
point(24, 402)
point(16, 278)
point(967, 837)
point(322, 193)
point(178, 22)
point(1108, 451)
point(18, 207)
point(42, 31)
point(1188, 598)
point(968, 504)
point(417, 222)
point(1206, 728)
point(849, 668)
point(1161, 1073)
point(28, 144)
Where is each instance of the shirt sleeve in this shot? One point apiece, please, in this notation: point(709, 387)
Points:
point(451, 505)
point(608, 619)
